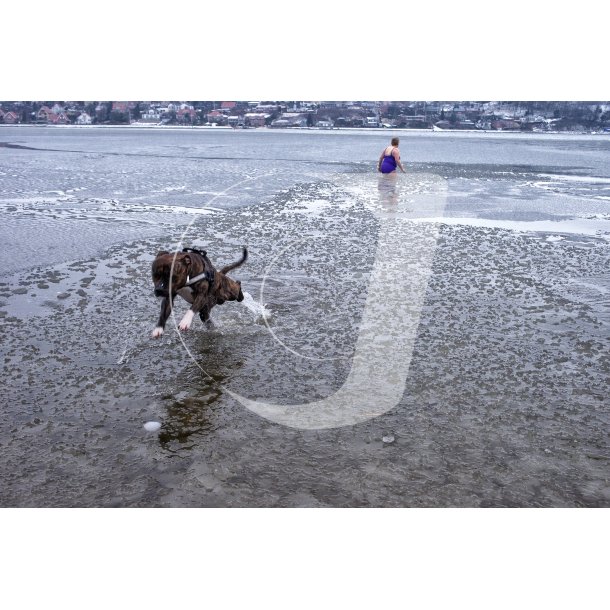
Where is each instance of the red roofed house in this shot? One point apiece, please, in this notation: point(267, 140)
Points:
point(122, 109)
point(228, 105)
point(42, 116)
point(215, 116)
point(46, 115)
point(186, 115)
point(10, 118)
point(60, 119)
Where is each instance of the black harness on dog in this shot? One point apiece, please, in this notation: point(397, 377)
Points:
point(207, 276)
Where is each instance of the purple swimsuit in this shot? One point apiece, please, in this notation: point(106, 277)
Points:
point(388, 164)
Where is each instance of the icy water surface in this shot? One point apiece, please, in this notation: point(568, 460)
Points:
point(506, 398)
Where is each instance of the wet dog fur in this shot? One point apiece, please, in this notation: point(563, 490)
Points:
point(214, 289)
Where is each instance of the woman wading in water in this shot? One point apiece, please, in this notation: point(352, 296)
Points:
point(390, 159)
point(388, 162)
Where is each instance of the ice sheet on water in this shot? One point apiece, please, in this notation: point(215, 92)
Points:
point(580, 226)
point(570, 178)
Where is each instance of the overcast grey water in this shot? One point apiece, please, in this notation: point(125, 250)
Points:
point(506, 398)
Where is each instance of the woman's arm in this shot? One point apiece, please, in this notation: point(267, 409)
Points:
point(396, 155)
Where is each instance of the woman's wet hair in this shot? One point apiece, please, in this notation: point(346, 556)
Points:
point(394, 142)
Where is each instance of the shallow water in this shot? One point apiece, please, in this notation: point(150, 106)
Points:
point(506, 397)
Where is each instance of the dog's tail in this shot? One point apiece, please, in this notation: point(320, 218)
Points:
point(240, 262)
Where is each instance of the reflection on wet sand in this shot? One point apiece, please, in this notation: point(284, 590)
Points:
point(187, 417)
point(190, 413)
point(388, 188)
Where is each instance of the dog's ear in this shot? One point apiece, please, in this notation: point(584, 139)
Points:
point(162, 253)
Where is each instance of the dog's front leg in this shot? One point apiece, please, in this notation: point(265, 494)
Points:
point(196, 307)
point(204, 314)
point(166, 309)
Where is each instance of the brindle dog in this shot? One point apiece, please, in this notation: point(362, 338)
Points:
point(211, 287)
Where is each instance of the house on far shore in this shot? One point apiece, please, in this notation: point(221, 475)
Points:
point(290, 119)
point(47, 116)
point(187, 114)
point(42, 116)
point(61, 119)
point(10, 118)
point(152, 115)
point(84, 119)
point(215, 116)
point(255, 119)
point(1, 115)
point(235, 120)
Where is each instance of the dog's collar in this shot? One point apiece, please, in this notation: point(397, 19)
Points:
point(205, 276)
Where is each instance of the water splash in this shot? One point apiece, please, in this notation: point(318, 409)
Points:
point(258, 309)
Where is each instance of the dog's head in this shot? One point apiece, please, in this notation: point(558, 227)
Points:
point(166, 264)
point(228, 290)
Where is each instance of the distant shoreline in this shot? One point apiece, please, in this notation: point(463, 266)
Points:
point(310, 129)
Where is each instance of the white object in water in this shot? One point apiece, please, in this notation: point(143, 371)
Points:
point(258, 309)
point(388, 439)
point(152, 426)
